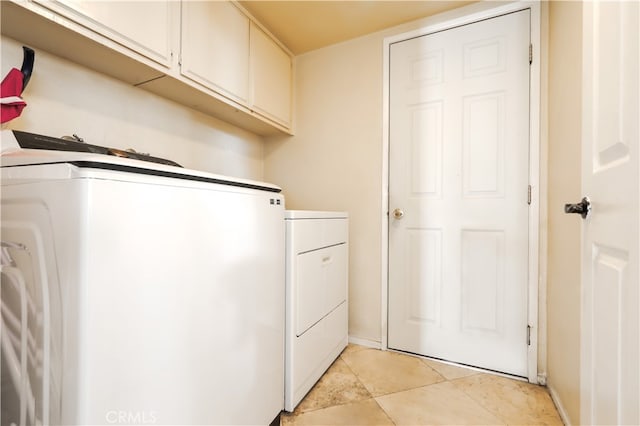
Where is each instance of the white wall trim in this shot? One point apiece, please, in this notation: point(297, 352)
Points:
point(534, 180)
point(384, 261)
point(541, 55)
point(462, 16)
point(557, 402)
point(365, 342)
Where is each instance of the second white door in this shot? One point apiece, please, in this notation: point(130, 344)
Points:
point(610, 323)
point(458, 194)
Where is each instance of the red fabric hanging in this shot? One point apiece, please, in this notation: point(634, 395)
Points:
point(10, 91)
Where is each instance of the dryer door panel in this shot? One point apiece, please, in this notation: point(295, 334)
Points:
point(335, 260)
point(321, 284)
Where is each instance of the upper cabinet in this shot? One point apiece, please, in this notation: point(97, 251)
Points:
point(146, 27)
point(270, 78)
point(211, 56)
point(223, 50)
point(215, 47)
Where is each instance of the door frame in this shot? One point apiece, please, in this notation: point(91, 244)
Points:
point(537, 215)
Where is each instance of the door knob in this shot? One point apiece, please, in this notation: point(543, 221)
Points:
point(583, 208)
point(398, 213)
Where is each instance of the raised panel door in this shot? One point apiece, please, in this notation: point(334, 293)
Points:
point(610, 332)
point(459, 172)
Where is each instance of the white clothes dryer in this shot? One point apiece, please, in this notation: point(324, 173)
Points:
point(317, 291)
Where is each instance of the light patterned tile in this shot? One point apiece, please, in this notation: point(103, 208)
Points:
point(351, 347)
point(383, 372)
point(336, 387)
point(448, 371)
point(366, 412)
point(513, 401)
point(439, 404)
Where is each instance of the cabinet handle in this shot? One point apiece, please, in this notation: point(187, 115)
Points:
point(326, 260)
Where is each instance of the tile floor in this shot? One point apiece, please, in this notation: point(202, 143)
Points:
point(367, 386)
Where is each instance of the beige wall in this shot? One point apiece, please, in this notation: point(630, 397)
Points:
point(563, 279)
point(334, 161)
point(64, 98)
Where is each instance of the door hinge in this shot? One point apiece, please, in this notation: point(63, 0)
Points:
point(529, 195)
point(528, 335)
point(530, 54)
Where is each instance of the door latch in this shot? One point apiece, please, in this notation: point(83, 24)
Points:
point(583, 208)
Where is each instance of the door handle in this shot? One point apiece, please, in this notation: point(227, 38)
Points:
point(583, 208)
point(398, 213)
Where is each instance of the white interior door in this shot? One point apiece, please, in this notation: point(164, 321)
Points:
point(458, 185)
point(610, 373)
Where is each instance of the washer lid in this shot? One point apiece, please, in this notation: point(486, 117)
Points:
point(96, 157)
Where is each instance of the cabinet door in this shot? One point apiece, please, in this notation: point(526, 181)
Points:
point(270, 78)
point(143, 26)
point(215, 47)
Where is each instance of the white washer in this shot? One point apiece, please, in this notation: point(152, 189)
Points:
point(317, 293)
point(135, 292)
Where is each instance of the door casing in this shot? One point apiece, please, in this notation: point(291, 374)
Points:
point(537, 217)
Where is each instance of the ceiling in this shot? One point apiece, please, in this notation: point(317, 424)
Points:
point(305, 25)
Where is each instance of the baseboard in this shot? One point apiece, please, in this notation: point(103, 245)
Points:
point(556, 401)
point(542, 379)
point(365, 342)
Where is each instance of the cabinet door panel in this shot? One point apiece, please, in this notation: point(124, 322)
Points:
point(215, 47)
point(271, 78)
point(142, 26)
